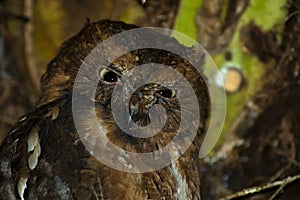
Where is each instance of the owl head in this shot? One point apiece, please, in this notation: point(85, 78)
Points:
point(141, 87)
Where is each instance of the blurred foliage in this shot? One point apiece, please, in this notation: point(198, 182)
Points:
point(131, 12)
point(49, 21)
point(185, 20)
point(268, 14)
point(56, 20)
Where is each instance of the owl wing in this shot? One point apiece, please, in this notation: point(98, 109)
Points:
point(20, 151)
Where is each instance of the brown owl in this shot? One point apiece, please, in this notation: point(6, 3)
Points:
point(44, 156)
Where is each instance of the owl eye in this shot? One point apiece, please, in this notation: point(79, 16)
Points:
point(109, 76)
point(167, 93)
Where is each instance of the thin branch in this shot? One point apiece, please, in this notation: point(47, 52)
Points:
point(279, 190)
point(258, 189)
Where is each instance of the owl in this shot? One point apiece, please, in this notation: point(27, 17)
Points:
point(45, 157)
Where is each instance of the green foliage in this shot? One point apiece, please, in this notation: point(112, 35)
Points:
point(185, 21)
point(131, 12)
point(268, 14)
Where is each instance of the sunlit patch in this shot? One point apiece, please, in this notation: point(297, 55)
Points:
point(233, 79)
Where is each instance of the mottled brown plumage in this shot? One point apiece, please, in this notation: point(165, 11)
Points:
point(44, 150)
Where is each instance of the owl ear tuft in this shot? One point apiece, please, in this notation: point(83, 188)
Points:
point(87, 21)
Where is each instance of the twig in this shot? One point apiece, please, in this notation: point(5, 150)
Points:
point(292, 15)
point(280, 189)
point(262, 188)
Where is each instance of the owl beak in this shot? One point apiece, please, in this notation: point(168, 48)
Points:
point(139, 108)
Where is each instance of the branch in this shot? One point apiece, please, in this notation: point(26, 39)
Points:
point(258, 189)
